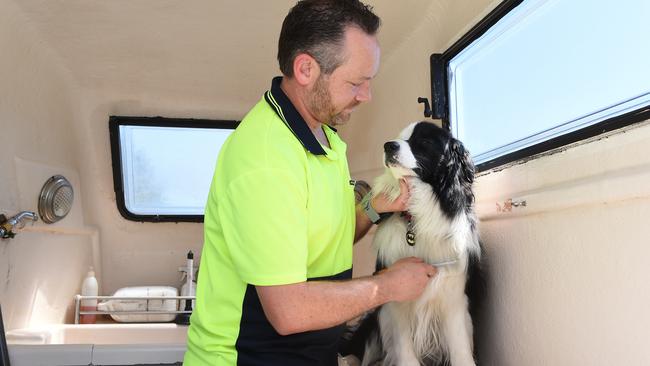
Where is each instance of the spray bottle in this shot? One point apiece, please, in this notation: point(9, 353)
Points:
point(184, 318)
point(188, 288)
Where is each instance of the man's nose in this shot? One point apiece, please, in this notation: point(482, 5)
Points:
point(364, 94)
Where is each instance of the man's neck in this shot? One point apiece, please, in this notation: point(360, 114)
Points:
point(297, 98)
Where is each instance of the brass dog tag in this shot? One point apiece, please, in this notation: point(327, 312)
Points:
point(410, 238)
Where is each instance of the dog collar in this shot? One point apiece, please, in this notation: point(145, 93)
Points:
point(410, 234)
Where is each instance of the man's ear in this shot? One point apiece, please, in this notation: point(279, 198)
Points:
point(305, 69)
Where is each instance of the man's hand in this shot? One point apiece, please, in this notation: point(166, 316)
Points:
point(382, 203)
point(407, 278)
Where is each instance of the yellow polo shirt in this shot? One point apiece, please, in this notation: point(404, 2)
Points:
point(280, 211)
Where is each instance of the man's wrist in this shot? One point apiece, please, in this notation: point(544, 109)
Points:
point(370, 211)
point(382, 293)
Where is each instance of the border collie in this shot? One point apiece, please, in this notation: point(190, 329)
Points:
point(439, 227)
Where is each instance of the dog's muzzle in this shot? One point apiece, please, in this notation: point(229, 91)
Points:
point(391, 150)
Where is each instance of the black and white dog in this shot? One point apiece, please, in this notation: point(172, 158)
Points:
point(439, 227)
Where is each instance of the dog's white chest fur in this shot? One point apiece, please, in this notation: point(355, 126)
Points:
point(437, 238)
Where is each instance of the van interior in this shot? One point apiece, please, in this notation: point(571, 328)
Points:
point(551, 97)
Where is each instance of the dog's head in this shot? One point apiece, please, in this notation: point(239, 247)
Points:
point(430, 153)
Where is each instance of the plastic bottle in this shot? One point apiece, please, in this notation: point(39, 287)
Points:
point(89, 287)
point(185, 292)
point(189, 284)
point(184, 318)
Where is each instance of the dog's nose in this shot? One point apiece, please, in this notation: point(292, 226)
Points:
point(391, 147)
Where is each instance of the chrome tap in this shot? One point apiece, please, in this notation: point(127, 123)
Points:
point(15, 222)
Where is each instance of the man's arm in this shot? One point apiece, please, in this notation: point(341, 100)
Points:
point(306, 306)
point(381, 203)
point(363, 223)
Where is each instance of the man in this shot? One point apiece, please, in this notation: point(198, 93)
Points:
point(274, 286)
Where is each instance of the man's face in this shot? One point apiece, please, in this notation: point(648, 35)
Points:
point(333, 97)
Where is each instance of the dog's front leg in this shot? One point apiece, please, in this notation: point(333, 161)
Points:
point(396, 335)
point(458, 333)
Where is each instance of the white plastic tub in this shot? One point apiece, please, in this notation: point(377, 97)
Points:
point(97, 344)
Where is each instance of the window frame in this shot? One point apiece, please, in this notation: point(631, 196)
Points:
point(115, 122)
point(439, 64)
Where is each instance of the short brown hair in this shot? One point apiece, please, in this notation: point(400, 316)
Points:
point(317, 27)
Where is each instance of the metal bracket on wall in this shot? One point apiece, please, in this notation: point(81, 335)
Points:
point(427, 107)
point(509, 204)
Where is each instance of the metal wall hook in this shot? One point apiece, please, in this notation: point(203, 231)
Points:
point(427, 107)
point(509, 204)
point(521, 203)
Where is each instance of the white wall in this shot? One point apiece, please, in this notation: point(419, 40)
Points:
point(568, 272)
point(42, 267)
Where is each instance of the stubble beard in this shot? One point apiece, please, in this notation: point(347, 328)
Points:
point(320, 102)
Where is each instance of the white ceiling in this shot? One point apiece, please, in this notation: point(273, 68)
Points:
point(202, 48)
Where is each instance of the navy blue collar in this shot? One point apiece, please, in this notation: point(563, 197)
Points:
point(281, 104)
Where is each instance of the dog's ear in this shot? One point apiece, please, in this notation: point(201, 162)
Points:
point(454, 177)
point(459, 163)
point(465, 164)
point(458, 177)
